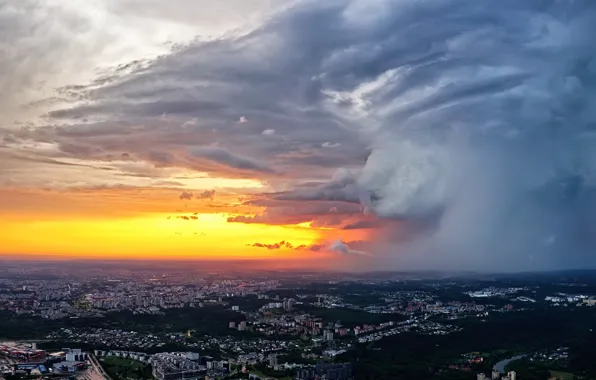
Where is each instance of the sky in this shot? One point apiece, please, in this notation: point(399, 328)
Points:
point(342, 134)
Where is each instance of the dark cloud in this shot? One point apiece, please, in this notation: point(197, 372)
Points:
point(80, 150)
point(471, 120)
point(341, 187)
point(363, 224)
point(280, 245)
point(225, 157)
point(44, 160)
point(272, 216)
point(9, 139)
point(160, 159)
point(295, 212)
point(206, 194)
point(336, 246)
point(500, 124)
point(188, 217)
point(312, 248)
point(227, 83)
point(186, 196)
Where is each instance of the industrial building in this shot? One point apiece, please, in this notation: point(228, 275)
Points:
point(23, 354)
point(69, 367)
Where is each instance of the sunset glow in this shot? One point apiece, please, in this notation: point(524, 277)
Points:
point(303, 130)
point(133, 223)
point(194, 168)
point(151, 236)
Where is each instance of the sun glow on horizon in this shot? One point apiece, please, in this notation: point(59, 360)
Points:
point(158, 235)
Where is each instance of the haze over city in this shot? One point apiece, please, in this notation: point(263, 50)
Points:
point(351, 135)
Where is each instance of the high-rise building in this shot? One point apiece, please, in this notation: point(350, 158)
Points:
point(287, 304)
point(273, 360)
point(496, 375)
point(511, 375)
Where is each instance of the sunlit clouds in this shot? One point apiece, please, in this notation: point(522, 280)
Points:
point(451, 134)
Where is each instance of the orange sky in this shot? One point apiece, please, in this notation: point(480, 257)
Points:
point(80, 178)
point(142, 223)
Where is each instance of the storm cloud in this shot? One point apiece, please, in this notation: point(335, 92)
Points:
point(467, 123)
point(224, 157)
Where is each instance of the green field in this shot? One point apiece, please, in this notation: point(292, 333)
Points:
point(561, 375)
point(349, 317)
point(123, 368)
point(263, 376)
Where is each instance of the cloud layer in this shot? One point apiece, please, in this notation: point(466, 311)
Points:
point(459, 133)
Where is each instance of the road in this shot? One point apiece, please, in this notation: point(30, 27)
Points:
point(90, 374)
point(97, 368)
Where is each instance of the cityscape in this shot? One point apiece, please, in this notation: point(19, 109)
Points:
point(297, 190)
point(188, 324)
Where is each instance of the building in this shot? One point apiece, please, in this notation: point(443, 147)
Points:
point(337, 371)
point(481, 376)
point(288, 304)
point(176, 367)
point(69, 366)
point(250, 358)
point(273, 360)
point(242, 326)
point(511, 375)
point(31, 369)
point(496, 375)
point(232, 325)
point(76, 356)
point(235, 308)
point(23, 354)
point(328, 335)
